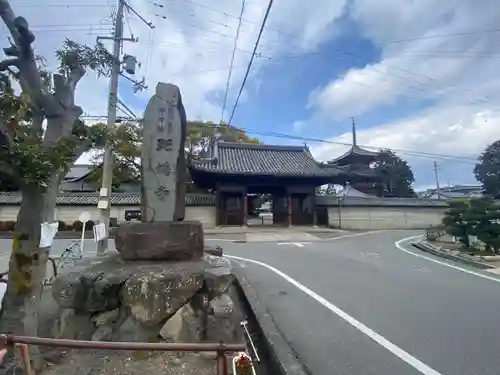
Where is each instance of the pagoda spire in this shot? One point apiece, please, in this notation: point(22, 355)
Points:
point(353, 132)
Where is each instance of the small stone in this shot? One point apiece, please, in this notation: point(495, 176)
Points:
point(222, 305)
point(154, 297)
point(106, 317)
point(176, 361)
point(173, 328)
point(133, 331)
point(73, 326)
point(92, 286)
point(223, 322)
point(219, 277)
point(103, 333)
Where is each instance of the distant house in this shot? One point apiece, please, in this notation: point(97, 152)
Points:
point(78, 181)
point(454, 192)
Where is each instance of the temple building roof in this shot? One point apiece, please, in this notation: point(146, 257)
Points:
point(356, 154)
point(360, 171)
point(264, 160)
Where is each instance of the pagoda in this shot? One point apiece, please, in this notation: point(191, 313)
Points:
point(357, 164)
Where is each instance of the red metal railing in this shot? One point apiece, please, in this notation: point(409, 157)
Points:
point(22, 343)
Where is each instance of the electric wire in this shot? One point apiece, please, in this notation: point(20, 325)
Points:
point(264, 21)
point(440, 156)
point(231, 65)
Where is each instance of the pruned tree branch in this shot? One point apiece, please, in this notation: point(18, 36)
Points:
point(8, 63)
point(8, 170)
point(5, 135)
point(77, 71)
point(25, 61)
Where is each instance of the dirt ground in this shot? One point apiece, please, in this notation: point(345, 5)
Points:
point(447, 244)
point(107, 362)
point(103, 362)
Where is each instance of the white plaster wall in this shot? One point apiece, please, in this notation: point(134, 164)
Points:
point(384, 217)
point(69, 214)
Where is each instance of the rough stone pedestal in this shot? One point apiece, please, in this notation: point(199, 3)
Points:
point(167, 241)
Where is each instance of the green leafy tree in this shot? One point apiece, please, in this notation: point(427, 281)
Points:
point(127, 151)
point(396, 176)
point(487, 169)
point(38, 157)
point(328, 190)
point(126, 156)
point(455, 221)
point(7, 183)
point(483, 221)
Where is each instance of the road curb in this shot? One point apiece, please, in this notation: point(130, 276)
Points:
point(282, 355)
point(456, 258)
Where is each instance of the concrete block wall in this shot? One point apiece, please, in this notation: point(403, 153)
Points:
point(373, 217)
point(69, 214)
point(351, 217)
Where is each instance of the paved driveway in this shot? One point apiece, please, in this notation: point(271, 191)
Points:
point(361, 305)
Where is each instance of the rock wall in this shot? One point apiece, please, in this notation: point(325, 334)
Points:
point(109, 299)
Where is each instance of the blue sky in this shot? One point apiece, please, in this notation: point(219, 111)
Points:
point(419, 76)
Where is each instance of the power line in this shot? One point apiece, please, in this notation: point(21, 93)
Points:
point(437, 156)
point(60, 6)
point(232, 61)
point(438, 36)
point(73, 25)
point(224, 25)
point(90, 30)
point(378, 148)
point(268, 10)
point(220, 12)
point(456, 34)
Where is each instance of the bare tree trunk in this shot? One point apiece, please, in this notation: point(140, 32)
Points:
point(27, 267)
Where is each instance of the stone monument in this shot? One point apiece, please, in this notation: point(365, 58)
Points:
point(163, 160)
point(164, 285)
point(163, 234)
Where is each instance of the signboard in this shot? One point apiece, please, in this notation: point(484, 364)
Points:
point(99, 232)
point(84, 218)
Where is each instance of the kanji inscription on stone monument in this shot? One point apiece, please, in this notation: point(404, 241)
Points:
point(163, 160)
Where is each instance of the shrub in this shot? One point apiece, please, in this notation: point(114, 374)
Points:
point(9, 226)
point(62, 225)
point(435, 232)
point(77, 226)
point(90, 224)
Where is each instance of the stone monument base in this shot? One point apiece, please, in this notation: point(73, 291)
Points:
point(175, 241)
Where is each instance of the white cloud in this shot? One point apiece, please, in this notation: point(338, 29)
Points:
point(465, 131)
point(451, 72)
point(190, 46)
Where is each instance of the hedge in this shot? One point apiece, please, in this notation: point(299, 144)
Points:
point(77, 226)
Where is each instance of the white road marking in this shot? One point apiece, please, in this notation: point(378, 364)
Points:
point(296, 244)
point(458, 268)
point(219, 239)
point(360, 234)
point(382, 341)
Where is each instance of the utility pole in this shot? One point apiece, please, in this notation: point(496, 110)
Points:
point(436, 175)
point(107, 168)
point(129, 65)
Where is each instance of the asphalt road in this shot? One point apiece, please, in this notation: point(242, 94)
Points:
point(360, 305)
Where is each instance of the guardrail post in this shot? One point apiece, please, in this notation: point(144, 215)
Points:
point(221, 363)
